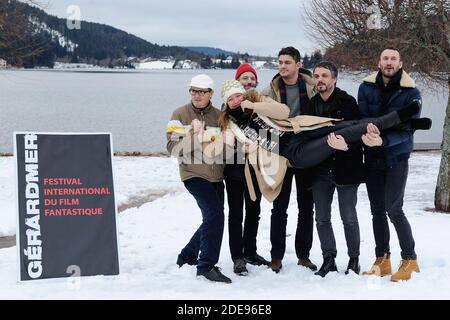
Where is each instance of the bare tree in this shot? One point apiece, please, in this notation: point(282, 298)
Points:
point(442, 194)
point(17, 32)
point(355, 32)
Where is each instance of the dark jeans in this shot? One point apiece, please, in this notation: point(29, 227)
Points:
point(386, 189)
point(242, 244)
point(305, 222)
point(208, 238)
point(323, 190)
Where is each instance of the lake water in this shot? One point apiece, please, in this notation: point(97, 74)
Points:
point(133, 105)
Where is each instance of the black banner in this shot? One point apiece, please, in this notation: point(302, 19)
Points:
point(67, 211)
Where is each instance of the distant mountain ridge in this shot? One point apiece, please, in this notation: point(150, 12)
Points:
point(98, 44)
point(93, 43)
point(210, 51)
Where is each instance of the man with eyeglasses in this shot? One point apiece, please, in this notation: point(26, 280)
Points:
point(203, 179)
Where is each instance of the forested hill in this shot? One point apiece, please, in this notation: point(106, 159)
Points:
point(93, 43)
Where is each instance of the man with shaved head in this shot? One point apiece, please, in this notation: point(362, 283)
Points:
point(386, 156)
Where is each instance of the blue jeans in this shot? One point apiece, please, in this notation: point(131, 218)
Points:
point(386, 189)
point(207, 240)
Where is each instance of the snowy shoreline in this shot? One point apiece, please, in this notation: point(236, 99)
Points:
point(151, 235)
point(163, 154)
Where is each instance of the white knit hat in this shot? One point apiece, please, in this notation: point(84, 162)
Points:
point(231, 87)
point(202, 81)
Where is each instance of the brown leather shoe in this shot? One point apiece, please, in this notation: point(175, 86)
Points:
point(276, 265)
point(381, 267)
point(407, 267)
point(305, 262)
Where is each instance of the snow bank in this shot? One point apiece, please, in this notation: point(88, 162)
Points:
point(155, 65)
point(152, 235)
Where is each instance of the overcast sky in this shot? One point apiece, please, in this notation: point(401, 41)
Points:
point(258, 27)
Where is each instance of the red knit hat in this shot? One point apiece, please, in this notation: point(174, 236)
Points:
point(245, 67)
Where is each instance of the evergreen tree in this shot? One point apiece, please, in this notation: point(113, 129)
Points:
point(306, 62)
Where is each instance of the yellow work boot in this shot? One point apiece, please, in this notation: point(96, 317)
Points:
point(381, 267)
point(407, 267)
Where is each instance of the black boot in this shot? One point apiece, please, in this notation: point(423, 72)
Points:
point(394, 118)
point(409, 111)
point(256, 260)
point(328, 265)
point(240, 268)
point(192, 261)
point(414, 124)
point(420, 124)
point(353, 264)
point(215, 275)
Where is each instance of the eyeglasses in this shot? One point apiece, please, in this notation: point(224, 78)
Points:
point(201, 93)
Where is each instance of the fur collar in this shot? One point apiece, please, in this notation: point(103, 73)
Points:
point(405, 82)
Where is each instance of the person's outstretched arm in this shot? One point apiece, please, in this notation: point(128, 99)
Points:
point(268, 107)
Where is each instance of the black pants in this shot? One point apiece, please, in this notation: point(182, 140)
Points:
point(242, 242)
point(323, 190)
point(305, 222)
point(309, 148)
point(386, 189)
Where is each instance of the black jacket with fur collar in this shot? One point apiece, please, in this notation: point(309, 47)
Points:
point(347, 166)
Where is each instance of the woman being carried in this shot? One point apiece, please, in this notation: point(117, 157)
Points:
point(270, 137)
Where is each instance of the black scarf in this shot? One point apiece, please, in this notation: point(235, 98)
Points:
point(239, 116)
point(255, 129)
point(388, 91)
point(302, 91)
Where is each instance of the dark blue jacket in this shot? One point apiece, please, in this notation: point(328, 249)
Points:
point(397, 143)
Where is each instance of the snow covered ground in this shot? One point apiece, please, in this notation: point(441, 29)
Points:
point(152, 234)
point(156, 65)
